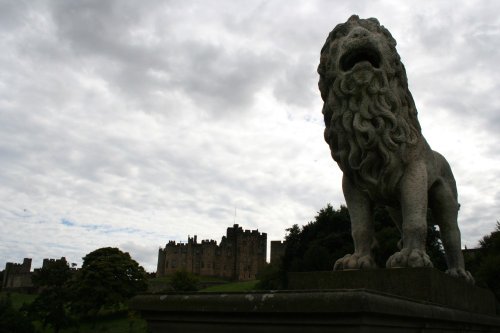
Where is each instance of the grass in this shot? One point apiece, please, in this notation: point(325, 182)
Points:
point(122, 321)
point(162, 284)
point(118, 322)
point(234, 287)
point(18, 299)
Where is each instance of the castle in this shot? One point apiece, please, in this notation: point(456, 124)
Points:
point(17, 277)
point(240, 255)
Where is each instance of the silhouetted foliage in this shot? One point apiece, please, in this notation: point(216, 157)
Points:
point(487, 264)
point(184, 281)
point(272, 277)
point(435, 248)
point(50, 305)
point(317, 245)
point(53, 274)
point(50, 308)
point(107, 279)
point(12, 320)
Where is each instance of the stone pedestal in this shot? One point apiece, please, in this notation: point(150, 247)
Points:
point(422, 284)
point(323, 306)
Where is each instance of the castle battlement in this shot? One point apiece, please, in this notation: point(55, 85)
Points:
point(240, 255)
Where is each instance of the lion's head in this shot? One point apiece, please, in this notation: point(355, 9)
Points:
point(370, 116)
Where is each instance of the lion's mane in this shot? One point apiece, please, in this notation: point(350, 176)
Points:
point(371, 123)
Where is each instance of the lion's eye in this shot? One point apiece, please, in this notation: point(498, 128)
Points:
point(341, 32)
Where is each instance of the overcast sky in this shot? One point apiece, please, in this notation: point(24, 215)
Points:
point(132, 123)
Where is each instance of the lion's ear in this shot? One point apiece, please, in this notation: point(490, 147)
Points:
point(374, 20)
point(353, 18)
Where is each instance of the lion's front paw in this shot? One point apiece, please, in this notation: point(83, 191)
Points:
point(461, 273)
point(409, 258)
point(354, 261)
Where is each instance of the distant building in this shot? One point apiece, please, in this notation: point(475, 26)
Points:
point(277, 251)
point(46, 262)
point(17, 276)
point(240, 255)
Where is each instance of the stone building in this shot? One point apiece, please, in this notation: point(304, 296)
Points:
point(17, 276)
point(240, 255)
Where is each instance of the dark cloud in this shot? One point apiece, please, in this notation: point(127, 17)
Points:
point(218, 76)
point(138, 124)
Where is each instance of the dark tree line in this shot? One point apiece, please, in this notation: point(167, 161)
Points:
point(484, 262)
point(107, 279)
point(317, 245)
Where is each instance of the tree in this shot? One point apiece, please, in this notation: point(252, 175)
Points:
point(488, 262)
point(271, 277)
point(319, 243)
point(50, 305)
point(53, 274)
point(12, 320)
point(50, 308)
point(184, 281)
point(316, 245)
point(107, 279)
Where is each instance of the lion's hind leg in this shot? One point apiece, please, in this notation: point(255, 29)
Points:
point(444, 207)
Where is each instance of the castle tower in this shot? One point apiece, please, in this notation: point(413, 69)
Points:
point(240, 255)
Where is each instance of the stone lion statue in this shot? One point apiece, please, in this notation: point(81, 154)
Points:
point(375, 138)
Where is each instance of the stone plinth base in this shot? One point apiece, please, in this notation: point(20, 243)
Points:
point(422, 284)
point(331, 310)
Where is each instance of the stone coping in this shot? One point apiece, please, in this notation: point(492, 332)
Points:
point(421, 284)
point(294, 304)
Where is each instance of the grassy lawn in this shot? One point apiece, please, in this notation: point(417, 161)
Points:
point(120, 322)
point(18, 299)
point(162, 284)
point(123, 322)
point(234, 286)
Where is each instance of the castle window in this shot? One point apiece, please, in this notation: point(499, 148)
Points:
point(174, 263)
point(166, 264)
point(202, 264)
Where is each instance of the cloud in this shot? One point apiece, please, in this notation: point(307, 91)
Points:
point(129, 125)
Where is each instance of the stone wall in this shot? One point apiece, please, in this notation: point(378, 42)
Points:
point(240, 255)
point(17, 276)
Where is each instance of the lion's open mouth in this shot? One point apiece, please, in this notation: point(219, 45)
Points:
point(358, 55)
